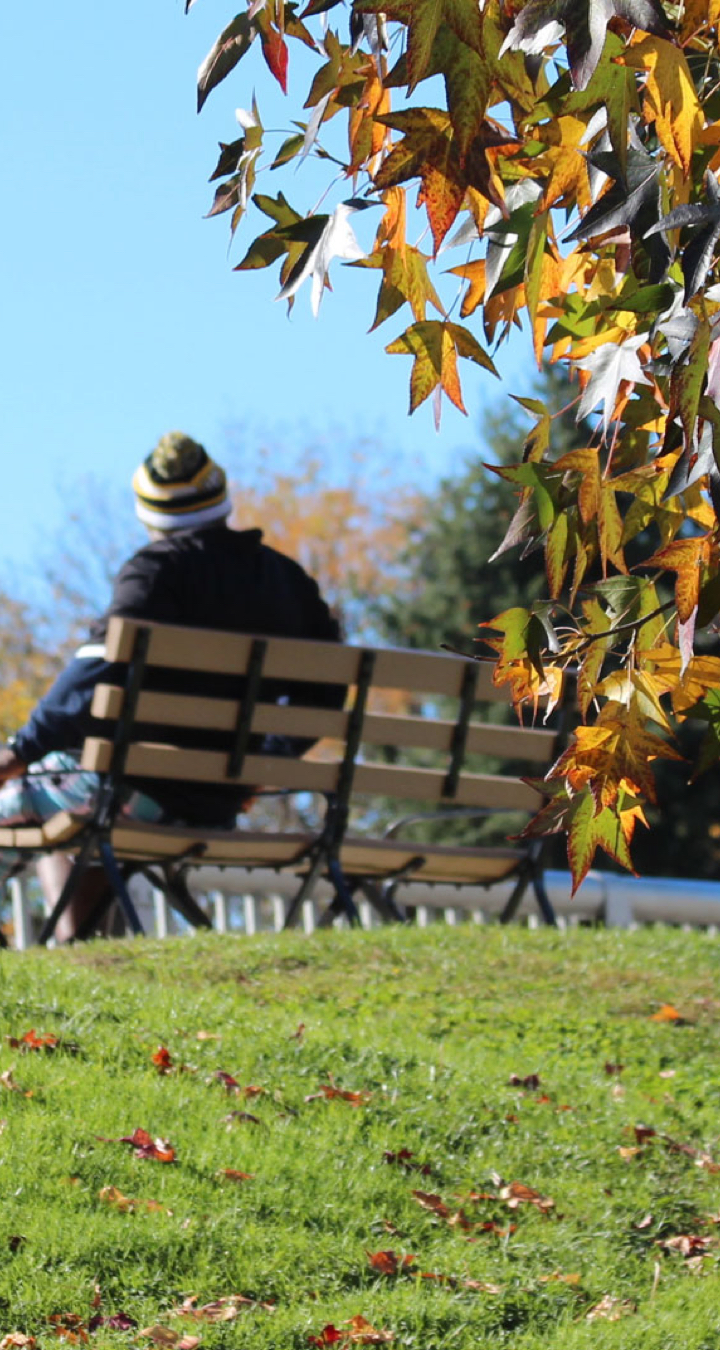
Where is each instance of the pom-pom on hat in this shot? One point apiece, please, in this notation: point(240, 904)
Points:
point(179, 487)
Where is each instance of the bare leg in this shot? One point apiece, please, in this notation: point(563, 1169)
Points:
point(53, 870)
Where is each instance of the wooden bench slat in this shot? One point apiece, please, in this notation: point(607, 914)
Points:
point(213, 714)
point(301, 659)
point(146, 760)
point(359, 857)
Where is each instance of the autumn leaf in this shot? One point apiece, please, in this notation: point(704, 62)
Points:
point(538, 25)
point(703, 223)
point(666, 1013)
point(224, 1309)
point(162, 1059)
point(669, 97)
point(389, 1263)
point(425, 20)
point(435, 347)
point(329, 1092)
point(231, 1174)
point(145, 1146)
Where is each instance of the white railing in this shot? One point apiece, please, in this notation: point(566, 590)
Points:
point(249, 902)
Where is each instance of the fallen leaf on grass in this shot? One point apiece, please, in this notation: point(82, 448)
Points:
point(668, 1013)
point(432, 1202)
point(112, 1196)
point(232, 1116)
point(489, 1226)
point(331, 1093)
point(42, 1041)
point(298, 1035)
point(8, 1082)
point(688, 1244)
point(611, 1309)
point(667, 1073)
point(613, 1068)
point(517, 1193)
point(164, 1336)
point(68, 1327)
point(16, 1241)
point(162, 1059)
point(118, 1322)
point(389, 1263)
point(208, 1036)
point(530, 1081)
point(18, 1341)
point(229, 1083)
point(231, 1174)
point(557, 1276)
point(224, 1309)
point(701, 1159)
point(645, 1222)
point(161, 1150)
point(403, 1158)
point(627, 1153)
point(360, 1333)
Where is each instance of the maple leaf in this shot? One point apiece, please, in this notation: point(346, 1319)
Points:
point(609, 366)
point(389, 1263)
point(424, 20)
point(435, 347)
point(539, 24)
point(669, 98)
point(238, 159)
point(405, 281)
point(632, 202)
point(468, 82)
point(612, 89)
point(703, 223)
point(430, 151)
point(327, 237)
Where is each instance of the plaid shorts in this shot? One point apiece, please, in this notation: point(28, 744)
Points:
point(57, 783)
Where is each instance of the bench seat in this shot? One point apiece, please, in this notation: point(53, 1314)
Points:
point(359, 856)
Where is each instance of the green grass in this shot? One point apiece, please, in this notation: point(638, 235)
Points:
point(433, 1024)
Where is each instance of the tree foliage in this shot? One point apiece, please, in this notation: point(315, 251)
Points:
point(574, 153)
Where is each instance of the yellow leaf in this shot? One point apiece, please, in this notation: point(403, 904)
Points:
point(669, 100)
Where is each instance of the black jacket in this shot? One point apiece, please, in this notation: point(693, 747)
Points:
point(214, 578)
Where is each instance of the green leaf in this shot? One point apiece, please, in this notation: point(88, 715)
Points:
point(288, 150)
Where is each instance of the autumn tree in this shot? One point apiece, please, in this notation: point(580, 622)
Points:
point(27, 661)
point(350, 535)
point(573, 157)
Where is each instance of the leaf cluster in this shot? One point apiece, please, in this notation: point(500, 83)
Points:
point(574, 156)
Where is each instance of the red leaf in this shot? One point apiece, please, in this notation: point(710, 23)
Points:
point(227, 1080)
point(328, 1336)
point(276, 55)
point(162, 1059)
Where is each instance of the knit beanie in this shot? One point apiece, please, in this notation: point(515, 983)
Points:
point(179, 487)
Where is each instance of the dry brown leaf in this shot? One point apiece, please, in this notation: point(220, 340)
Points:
point(611, 1309)
point(17, 1340)
point(208, 1036)
point(517, 1193)
point(688, 1244)
point(557, 1276)
point(224, 1309)
point(231, 1174)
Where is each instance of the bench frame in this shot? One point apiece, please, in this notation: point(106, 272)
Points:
point(93, 842)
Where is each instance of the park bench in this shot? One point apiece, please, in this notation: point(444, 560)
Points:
point(369, 746)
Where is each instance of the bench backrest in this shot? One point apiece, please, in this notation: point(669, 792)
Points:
point(159, 648)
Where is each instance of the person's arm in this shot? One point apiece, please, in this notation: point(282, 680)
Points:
point(61, 720)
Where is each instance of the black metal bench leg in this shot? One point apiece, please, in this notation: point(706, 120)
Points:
point(543, 899)
point(513, 904)
point(382, 899)
point(182, 899)
point(117, 881)
point(306, 889)
point(343, 893)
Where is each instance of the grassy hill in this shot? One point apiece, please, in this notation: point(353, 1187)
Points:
point(448, 1133)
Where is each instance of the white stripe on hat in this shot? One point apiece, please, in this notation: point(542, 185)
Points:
point(167, 520)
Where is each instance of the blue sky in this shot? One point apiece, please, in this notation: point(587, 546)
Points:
point(122, 316)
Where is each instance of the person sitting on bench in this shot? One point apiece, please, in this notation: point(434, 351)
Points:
point(195, 572)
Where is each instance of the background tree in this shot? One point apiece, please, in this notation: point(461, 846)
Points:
point(605, 116)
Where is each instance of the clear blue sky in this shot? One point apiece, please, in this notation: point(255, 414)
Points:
point(122, 316)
